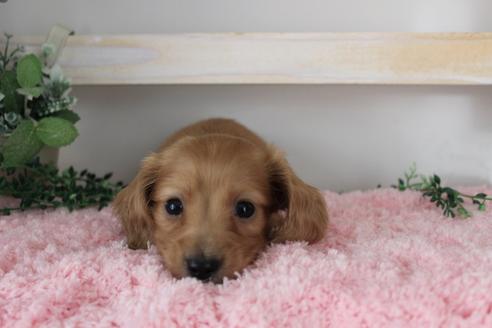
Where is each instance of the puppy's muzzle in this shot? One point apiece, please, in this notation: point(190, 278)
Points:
point(202, 267)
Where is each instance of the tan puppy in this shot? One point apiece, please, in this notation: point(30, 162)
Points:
point(213, 196)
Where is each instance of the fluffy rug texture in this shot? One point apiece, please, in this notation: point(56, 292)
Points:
point(389, 259)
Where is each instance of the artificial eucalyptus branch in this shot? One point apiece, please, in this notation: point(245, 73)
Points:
point(447, 198)
point(43, 186)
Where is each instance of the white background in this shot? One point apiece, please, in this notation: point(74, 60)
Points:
point(336, 137)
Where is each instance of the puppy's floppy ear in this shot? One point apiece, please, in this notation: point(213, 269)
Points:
point(305, 214)
point(132, 204)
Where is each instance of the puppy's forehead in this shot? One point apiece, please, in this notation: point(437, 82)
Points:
point(211, 163)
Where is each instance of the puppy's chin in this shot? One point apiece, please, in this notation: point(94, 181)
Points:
point(231, 269)
point(217, 278)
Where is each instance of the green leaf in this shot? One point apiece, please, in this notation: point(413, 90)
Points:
point(13, 102)
point(11, 117)
point(56, 132)
point(32, 92)
point(480, 195)
point(29, 72)
point(68, 115)
point(463, 212)
point(22, 145)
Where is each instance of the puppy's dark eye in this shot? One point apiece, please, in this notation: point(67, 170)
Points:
point(174, 206)
point(244, 209)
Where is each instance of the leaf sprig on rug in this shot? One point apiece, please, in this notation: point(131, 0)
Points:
point(43, 186)
point(450, 200)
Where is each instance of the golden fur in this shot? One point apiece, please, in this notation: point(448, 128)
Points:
point(209, 166)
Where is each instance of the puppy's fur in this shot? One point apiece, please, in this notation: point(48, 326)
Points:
point(210, 166)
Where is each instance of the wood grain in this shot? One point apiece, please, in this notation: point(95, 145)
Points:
point(272, 58)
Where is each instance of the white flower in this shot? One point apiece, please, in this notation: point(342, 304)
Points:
point(48, 49)
point(56, 73)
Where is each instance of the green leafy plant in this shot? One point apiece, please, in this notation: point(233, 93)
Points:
point(35, 105)
point(450, 200)
point(36, 111)
point(43, 186)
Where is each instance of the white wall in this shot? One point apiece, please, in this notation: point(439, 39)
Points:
point(336, 137)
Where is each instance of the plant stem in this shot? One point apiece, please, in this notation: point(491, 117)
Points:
point(43, 186)
point(447, 198)
point(472, 197)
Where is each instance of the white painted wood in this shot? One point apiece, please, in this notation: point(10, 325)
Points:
point(278, 58)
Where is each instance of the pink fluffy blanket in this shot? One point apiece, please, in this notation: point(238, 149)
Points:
point(390, 259)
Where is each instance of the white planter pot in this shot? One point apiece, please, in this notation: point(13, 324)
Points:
point(49, 155)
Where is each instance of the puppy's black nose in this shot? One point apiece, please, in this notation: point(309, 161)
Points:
point(202, 267)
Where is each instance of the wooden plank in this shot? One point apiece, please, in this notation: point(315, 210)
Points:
point(273, 58)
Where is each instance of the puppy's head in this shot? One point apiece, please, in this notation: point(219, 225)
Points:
point(211, 204)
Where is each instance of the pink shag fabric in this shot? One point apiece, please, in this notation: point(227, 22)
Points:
point(389, 259)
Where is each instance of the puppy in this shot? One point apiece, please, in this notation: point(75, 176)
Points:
point(212, 197)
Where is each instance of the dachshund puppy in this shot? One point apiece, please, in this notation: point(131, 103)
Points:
point(213, 196)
